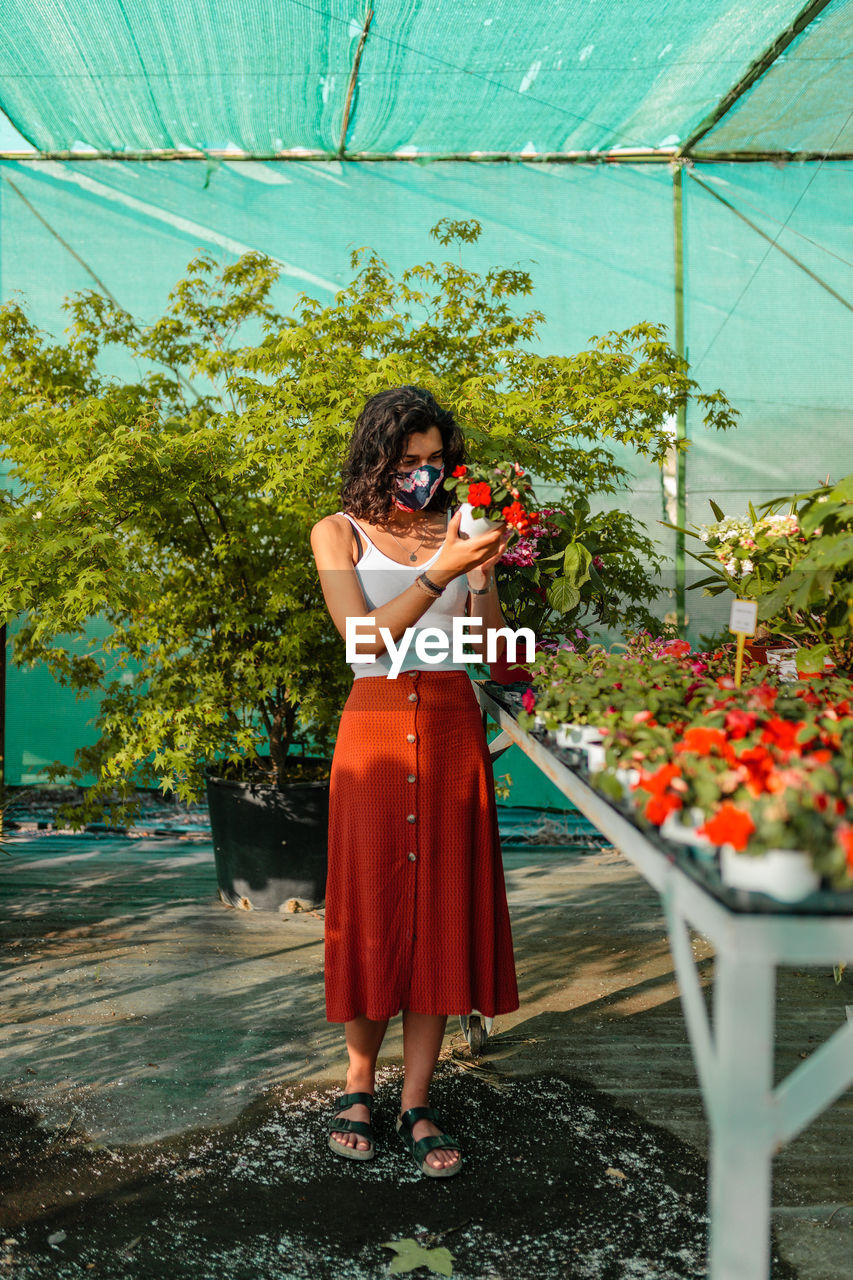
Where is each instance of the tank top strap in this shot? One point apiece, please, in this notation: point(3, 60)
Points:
point(355, 531)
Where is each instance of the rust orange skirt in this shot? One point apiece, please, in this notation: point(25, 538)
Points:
point(416, 909)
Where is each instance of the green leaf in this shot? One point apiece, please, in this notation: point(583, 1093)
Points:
point(810, 661)
point(718, 511)
point(576, 562)
point(410, 1254)
point(843, 491)
point(680, 529)
point(563, 595)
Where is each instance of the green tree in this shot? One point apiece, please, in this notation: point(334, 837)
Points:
point(177, 506)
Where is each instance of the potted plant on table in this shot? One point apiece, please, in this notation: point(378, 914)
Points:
point(796, 561)
point(764, 785)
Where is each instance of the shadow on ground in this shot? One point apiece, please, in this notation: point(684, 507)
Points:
point(557, 1182)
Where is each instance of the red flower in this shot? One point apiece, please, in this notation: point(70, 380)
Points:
point(528, 700)
point(739, 723)
point(480, 494)
point(675, 649)
point(459, 472)
point(758, 764)
point(515, 514)
point(729, 825)
point(657, 782)
point(658, 807)
point(703, 741)
point(782, 733)
point(763, 695)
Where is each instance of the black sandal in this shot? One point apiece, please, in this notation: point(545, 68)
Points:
point(345, 1125)
point(405, 1124)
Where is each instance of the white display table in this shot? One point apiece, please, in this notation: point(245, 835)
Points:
point(749, 1119)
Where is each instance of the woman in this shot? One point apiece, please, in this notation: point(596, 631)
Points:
point(416, 911)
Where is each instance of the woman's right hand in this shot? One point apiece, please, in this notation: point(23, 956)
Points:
point(460, 555)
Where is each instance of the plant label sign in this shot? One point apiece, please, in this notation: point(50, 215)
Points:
point(743, 618)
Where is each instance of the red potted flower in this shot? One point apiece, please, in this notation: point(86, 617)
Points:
point(492, 495)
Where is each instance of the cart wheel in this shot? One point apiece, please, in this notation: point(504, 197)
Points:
point(475, 1031)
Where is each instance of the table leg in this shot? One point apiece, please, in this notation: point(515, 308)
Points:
point(741, 1117)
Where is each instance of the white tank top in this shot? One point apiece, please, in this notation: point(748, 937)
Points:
point(381, 580)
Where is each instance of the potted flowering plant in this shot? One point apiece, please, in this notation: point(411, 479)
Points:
point(760, 773)
point(492, 495)
point(575, 569)
point(767, 777)
point(798, 564)
point(611, 689)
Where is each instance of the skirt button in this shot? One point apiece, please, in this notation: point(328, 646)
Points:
point(413, 697)
point(412, 857)
point(410, 737)
point(411, 818)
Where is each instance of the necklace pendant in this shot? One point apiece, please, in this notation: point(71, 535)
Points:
point(413, 556)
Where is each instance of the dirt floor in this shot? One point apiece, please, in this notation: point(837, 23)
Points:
point(167, 1072)
point(556, 1182)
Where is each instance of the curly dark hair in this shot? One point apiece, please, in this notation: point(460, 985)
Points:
point(376, 448)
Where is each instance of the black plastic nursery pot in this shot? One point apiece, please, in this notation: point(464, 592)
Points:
point(270, 843)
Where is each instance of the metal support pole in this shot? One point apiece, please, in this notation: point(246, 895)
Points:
point(2, 719)
point(342, 145)
point(681, 415)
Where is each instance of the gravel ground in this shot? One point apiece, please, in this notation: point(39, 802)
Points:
point(557, 1182)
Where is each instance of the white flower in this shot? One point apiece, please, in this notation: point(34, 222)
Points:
point(730, 566)
point(37, 515)
point(746, 567)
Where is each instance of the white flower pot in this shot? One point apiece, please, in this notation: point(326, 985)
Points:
point(578, 735)
point(674, 828)
point(628, 777)
point(786, 874)
point(586, 738)
point(472, 528)
point(784, 663)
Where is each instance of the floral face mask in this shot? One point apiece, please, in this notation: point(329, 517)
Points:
point(415, 488)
